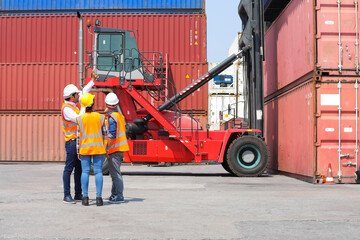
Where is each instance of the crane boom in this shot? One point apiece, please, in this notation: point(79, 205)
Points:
point(198, 83)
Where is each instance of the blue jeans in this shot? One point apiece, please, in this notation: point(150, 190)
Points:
point(71, 162)
point(98, 161)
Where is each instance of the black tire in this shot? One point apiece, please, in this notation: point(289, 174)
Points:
point(248, 156)
point(105, 168)
point(226, 166)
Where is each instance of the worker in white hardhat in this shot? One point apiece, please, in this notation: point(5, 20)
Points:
point(70, 110)
point(116, 146)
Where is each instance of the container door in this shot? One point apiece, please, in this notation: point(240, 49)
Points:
point(337, 127)
point(337, 36)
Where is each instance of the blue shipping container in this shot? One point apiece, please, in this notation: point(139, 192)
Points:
point(130, 5)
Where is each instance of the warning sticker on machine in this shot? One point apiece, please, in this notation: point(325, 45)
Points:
point(259, 115)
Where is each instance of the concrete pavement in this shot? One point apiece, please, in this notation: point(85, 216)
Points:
point(179, 202)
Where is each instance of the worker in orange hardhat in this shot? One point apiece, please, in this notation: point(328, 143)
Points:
point(116, 146)
point(91, 135)
point(70, 110)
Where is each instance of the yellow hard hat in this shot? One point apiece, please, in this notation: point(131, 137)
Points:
point(87, 99)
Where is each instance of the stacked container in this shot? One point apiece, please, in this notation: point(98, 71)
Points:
point(227, 102)
point(39, 57)
point(311, 89)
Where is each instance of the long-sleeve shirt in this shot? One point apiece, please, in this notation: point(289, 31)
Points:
point(70, 114)
point(104, 132)
point(112, 125)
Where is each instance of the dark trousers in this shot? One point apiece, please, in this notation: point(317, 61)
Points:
point(114, 160)
point(72, 162)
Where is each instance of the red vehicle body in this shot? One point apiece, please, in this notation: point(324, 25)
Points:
point(162, 132)
point(186, 145)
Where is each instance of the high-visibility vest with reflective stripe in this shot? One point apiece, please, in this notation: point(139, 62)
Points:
point(120, 143)
point(69, 127)
point(91, 139)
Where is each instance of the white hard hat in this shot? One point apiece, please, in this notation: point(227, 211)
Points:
point(70, 90)
point(111, 99)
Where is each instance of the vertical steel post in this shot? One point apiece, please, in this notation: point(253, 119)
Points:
point(81, 49)
point(339, 43)
point(339, 149)
point(259, 57)
point(357, 38)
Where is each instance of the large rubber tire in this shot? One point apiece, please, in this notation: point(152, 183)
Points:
point(105, 168)
point(248, 156)
point(226, 166)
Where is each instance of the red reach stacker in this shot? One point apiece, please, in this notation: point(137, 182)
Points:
point(166, 134)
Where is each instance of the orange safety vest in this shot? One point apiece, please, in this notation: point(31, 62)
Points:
point(91, 139)
point(120, 142)
point(69, 128)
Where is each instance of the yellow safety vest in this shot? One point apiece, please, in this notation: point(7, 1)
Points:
point(120, 142)
point(91, 139)
point(69, 127)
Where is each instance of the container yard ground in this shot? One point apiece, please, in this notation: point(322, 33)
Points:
point(179, 202)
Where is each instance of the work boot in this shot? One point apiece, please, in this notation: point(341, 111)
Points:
point(85, 201)
point(78, 197)
point(117, 199)
point(99, 201)
point(68, 199)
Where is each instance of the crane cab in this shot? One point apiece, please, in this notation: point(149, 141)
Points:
point(116, 54)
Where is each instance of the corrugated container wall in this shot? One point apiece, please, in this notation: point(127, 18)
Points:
point(311, 91)
point(31, 137)
point(222, 108)
point(46, 62)
point(305, 129)
point(183, 74)
point(135, 5)
point(314, 49)
point(39, 57)
point(289, 47)
point(54, 39)
point(39, 87)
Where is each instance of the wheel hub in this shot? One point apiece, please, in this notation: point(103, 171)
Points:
point(248, 156)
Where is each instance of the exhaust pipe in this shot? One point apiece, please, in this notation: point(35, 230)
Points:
point(81, 49)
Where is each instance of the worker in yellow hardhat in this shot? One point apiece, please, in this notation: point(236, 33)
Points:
point(91, 135)
point(70, 110)
point(116, 146)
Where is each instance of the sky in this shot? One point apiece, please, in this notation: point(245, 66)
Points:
point(223, 24)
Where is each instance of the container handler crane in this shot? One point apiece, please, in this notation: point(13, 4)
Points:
point(166, 133)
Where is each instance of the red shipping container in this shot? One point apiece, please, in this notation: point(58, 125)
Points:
point(39, 87)
point(54, 39)
point(306, 132)
point(34, 137)
point(31, 137)
point(183, 74)
point(304, 41)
